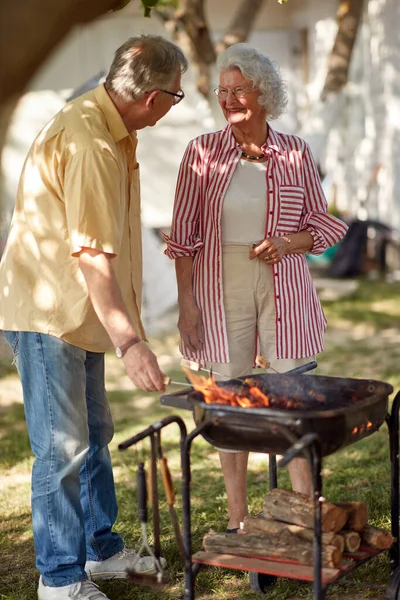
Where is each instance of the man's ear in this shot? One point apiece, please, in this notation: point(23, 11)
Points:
point(151, 97)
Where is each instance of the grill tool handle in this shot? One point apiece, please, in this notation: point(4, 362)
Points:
point(141, 493)
point(167, 481)
point(303, 368)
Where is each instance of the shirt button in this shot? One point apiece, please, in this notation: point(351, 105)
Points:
point(277, 297)
point(276, 274)
point(271, 212)
point(269, 176)
point(269, 233)
point(271, 191)
point(278, 319)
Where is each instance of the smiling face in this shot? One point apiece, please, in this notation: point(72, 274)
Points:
point(240, 110)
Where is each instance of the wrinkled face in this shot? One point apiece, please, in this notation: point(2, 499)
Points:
point(164, 102)
point(242, 109)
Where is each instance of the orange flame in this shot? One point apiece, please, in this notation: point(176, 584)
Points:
point(250, 396)
point(362, 428)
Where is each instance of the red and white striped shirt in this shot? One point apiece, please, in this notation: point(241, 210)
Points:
point(295, 202)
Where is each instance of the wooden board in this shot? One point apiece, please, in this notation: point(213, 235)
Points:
point(281, 567)
point(270, 567)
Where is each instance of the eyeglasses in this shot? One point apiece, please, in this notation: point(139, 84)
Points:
point(177, 97)
point(236, 93)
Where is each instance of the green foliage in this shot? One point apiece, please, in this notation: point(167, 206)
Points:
point(148, 5)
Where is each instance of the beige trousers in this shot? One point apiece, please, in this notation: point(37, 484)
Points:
point(249, 304)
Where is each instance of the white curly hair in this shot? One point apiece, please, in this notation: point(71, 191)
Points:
point(262, 72)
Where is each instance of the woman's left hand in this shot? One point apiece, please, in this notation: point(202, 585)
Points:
point(270, 250)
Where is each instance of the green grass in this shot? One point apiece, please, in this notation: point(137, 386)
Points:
point(362, 341)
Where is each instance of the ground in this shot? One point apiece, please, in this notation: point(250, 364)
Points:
point(362, 340)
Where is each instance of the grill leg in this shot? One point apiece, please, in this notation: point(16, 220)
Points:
point(393, 425)
point(316, 470)
point(273, 475)
point(190, 570)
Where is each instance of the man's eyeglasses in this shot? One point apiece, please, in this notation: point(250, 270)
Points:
point(176, 97)
point(236, 93)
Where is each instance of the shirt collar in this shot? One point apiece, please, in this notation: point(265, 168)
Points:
point(114, 121)
point(272, 140)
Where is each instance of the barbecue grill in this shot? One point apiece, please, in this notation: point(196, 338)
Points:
point(340, 411)
point(311, 416)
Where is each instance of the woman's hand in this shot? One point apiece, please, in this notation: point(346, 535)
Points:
point(271, 249)
point(190, 326)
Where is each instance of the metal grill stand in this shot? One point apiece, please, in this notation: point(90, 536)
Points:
point(264, 571)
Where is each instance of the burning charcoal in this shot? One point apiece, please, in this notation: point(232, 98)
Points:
point(259, 396)
point(314, 395)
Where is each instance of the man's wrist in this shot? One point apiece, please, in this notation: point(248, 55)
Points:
point(121, 350)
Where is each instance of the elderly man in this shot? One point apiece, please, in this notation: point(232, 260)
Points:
point(70, 281)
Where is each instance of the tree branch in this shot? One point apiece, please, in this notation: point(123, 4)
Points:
point(348, 17)
point(241, 25)
point(29, 31)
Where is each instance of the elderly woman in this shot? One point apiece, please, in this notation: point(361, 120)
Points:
point(248, 207)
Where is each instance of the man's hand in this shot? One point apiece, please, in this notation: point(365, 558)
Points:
point(142, 368)
point(270, 250)
point(104, 291)
point(191, 327)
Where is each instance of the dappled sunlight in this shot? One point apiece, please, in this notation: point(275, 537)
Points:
point(359, 472)
point(388, 306)
point(10, 392)
point(17, 479)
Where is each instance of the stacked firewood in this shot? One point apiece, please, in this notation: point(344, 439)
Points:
point(285, 530)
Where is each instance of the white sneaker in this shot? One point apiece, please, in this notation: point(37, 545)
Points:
point(115, 566)
point(82, 590)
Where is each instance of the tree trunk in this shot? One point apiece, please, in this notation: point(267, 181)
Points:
point(241, 24)
point(348, 17)
point(326, 112)
point(192, 18)
point(29, 31)
point(191, 30)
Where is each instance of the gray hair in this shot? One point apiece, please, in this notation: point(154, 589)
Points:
point(142, 64)
point(262, 72)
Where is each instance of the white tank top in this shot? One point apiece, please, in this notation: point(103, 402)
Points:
point(244, 211)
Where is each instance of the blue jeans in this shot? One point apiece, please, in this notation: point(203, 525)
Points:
point(74, 505)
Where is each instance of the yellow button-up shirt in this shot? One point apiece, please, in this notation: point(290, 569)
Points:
point(79, 188)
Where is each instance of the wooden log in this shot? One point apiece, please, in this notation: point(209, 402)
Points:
point(357, 514)
point(352, 540)
point(338, 541)
point(298, 509)
point(264, 526)
point(256, 545)
point(377, 538)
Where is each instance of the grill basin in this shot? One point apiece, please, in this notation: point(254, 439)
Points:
point(351, 409)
